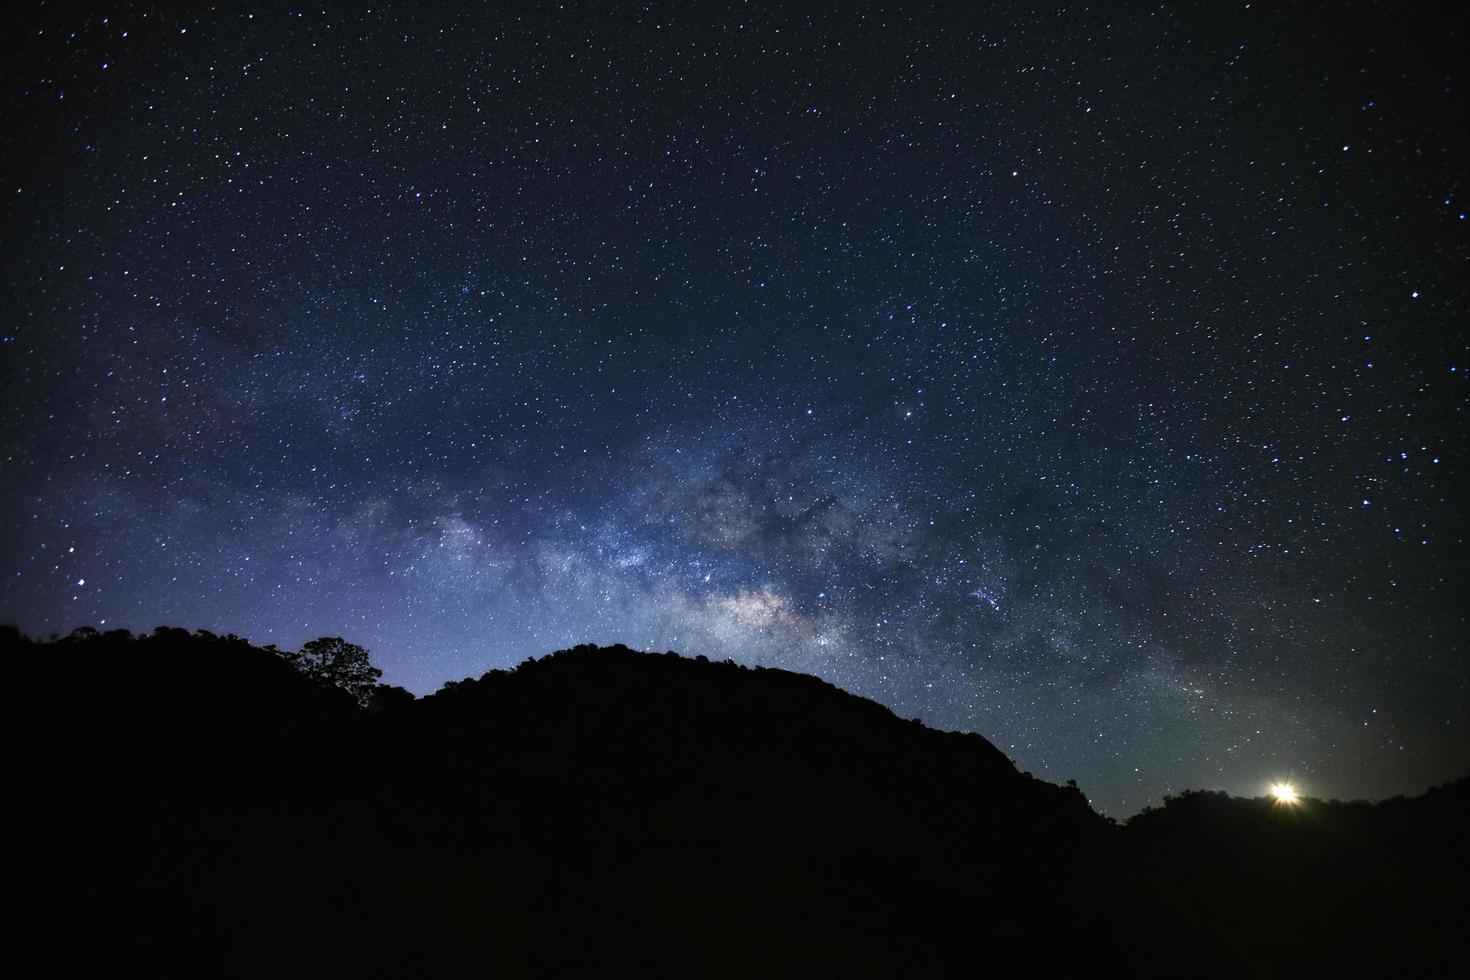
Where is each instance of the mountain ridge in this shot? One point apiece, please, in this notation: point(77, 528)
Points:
point(187, 799)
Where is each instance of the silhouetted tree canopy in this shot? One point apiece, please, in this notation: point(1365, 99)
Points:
point(333, 661)
point(385, 697)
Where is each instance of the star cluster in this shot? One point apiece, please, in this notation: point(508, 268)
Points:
point(1091, 378)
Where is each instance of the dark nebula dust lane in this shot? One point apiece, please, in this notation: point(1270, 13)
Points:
point(1093, 378)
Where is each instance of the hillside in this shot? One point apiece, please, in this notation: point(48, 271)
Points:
point(194, 803)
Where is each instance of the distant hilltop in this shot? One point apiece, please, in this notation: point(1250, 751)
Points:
point(193, 802)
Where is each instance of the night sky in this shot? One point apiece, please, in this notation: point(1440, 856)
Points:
point(1093, 379)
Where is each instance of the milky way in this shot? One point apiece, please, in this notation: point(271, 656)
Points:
point(1091, 379)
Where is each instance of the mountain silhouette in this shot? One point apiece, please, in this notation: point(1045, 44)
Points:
point(190, 803)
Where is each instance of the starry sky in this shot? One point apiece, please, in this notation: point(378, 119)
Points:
point(1092, 378)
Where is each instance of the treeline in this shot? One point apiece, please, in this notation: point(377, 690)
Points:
point(186, 802)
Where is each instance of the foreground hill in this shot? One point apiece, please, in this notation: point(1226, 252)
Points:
point(190, 803)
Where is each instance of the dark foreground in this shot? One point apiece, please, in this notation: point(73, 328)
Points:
point(186, 804)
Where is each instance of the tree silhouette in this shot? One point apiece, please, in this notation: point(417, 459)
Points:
point(385, 697)
point(332, 660)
